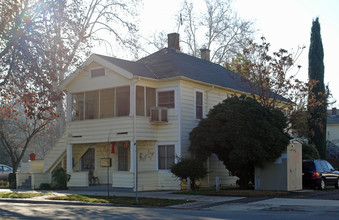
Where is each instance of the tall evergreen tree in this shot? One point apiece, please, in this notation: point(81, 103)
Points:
point(317, 100)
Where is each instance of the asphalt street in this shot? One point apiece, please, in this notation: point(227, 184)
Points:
point(62, 211)
point(306, 204)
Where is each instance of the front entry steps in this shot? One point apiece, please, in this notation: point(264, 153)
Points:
point(27, 184)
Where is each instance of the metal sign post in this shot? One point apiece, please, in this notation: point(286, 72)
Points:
point(136, 172)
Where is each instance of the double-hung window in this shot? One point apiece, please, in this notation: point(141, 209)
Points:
point(198, 105)
point(166, 99)
point(166, 156)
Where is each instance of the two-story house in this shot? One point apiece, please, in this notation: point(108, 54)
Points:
point(124, 113)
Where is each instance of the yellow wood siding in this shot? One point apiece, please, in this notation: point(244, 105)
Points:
point(36, 166)
point(211, 97)
point(78, 179)
point(167, 181)
point(147, 157)
point(38, 178)
point(148, 180)
point(83, 82)
point(21, 178)
point(123, 179)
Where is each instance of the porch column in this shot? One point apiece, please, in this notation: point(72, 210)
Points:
point(132, 157)
point(131, 99)
point(69, 158)
point(69, 108)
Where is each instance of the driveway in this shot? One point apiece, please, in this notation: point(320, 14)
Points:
point(332, 194)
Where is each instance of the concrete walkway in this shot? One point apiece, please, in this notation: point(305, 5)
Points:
point(213, 203)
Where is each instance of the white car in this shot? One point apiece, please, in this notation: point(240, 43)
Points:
point(5, 171)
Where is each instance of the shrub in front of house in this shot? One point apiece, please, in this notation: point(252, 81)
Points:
point(60, 178)
point(194, 169)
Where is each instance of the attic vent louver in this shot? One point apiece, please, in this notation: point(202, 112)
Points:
point(97, 72)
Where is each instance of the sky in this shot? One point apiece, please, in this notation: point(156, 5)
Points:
point(285, 24)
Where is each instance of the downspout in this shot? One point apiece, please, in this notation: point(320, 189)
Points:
point(134, 109)
point(134, 138)
point(179, 121)
point(208, 159)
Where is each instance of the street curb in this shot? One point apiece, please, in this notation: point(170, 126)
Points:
point(54, 202)
point(63, 202)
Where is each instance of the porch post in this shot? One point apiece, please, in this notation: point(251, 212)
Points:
point(131, 99)
point(69, 108)
point(69, 158)
point(132, 157)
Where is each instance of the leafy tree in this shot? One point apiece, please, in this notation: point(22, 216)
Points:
point(40, 42)
point(310, 152)
point(217, 28)
point(270, 74)
point(317, 99)
point(298, 120)
point(194, 169)
point(273, 80)
point(4, 158)
point(16, 134)
point(243, 134)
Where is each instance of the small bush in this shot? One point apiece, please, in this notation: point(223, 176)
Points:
point(194, 169)
point(45, 186)
point(4, 184)
point(60, 177)
point(309, 151)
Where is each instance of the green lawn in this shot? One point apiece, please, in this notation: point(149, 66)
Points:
point(123, 200)
point(236, 192)
point(14, 195)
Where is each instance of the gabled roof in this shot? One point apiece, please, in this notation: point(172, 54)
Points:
point(169, 63)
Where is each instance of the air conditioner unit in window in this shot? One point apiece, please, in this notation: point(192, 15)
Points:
point(158, 115)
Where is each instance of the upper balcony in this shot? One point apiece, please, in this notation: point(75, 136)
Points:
point(120, 102)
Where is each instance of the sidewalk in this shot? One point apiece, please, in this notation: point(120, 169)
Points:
point(213, 203)
point(200, 201)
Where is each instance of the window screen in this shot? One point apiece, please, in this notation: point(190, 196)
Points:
point(123, 94)
point(166, 99)
point(198, 105)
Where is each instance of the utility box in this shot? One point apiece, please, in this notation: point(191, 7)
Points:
point(284, 174)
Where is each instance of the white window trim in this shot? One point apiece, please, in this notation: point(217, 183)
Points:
point(157, 155)
point(195, 104)
point(95, 68)
point(175, 97)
